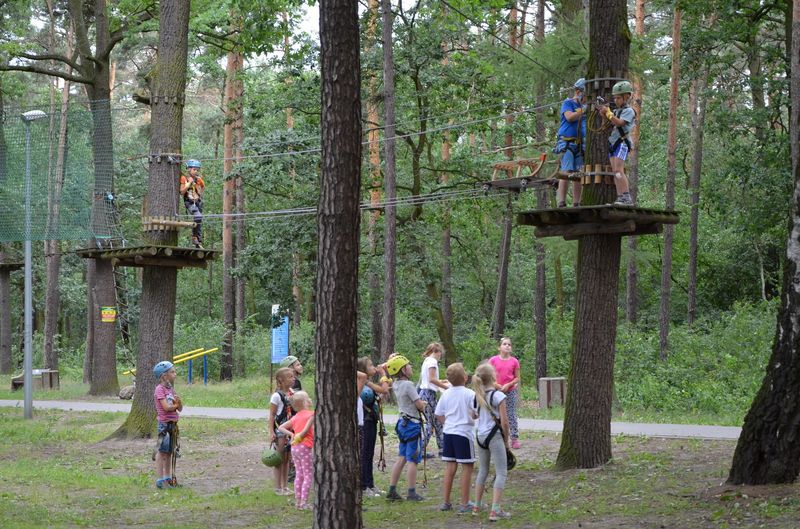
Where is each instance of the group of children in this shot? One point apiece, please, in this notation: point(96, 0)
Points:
point(491, 402)
point(451, 417)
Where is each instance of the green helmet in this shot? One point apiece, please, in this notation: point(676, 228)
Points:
point(622, 87)
point(272, 458)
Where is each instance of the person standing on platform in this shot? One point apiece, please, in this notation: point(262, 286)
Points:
point(192, 188)
point(571, 138)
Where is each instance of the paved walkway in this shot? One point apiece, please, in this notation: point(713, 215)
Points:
point(682, 431)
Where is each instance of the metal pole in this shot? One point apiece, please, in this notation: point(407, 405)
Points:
point(189, 381)
point(28, 318)
point(205, 370)
point(27, 380)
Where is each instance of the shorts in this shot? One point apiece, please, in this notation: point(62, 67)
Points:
point(572, 157)
point(620, 152)
point(458, 448)
point(411, 449)
point(164, 437)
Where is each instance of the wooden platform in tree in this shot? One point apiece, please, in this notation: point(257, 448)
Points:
point(519, 184)
point(152, 255)
point(10, 266)
point(572, 223)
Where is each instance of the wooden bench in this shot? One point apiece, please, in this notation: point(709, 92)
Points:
point(41, 379)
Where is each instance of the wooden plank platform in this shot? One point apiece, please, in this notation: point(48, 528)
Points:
point(152, 255)
point(572, 223)
point(519, 184)
point(11, 266)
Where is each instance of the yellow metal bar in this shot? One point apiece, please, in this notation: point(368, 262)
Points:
point(178, 357)
point(202, 353)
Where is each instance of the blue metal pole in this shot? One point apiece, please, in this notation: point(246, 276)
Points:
point(205, 370)
point(190, 372)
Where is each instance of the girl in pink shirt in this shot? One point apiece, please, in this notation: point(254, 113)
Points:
point(301, 428)
point(507, 369)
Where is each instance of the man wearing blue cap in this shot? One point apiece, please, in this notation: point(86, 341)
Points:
point(571, 136)
point(192, 187)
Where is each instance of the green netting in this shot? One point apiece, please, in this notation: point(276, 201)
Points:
point(59, 184)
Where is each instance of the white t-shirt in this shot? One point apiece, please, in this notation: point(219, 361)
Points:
point(457, 404)
point(485, 421)
point(360, 411)
point(427, 364)
point(278, 402)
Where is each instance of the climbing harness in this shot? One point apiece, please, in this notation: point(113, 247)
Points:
point(381, 434)
point(496, 428)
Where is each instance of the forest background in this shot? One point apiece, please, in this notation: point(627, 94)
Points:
point(462, 69)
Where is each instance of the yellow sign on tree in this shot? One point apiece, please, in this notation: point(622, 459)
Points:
point(108, 314)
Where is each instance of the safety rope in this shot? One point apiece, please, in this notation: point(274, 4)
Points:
point(381, 434)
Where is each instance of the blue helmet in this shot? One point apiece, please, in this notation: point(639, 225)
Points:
point(161, 368)
point(580, 84)
point(193, 163)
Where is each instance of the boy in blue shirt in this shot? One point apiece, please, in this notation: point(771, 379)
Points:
point(571, 136)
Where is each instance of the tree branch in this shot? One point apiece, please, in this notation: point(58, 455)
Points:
point(45, 71)
point(50, 57)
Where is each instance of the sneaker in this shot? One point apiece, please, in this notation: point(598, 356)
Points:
point(446, 507)
point(163, 483)
point(476, 509)
point(515, 444)
point(414, 497)
point(375, 491)
point(576, 205)
point(624, 200)
point(464, 509)
point(498, 515)
point(393, 496)
point(562, 204)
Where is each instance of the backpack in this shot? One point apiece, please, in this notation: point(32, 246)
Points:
point(496, 428)
point(286, 412)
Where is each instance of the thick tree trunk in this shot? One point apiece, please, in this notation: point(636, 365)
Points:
point(768, 450)
point(336, 467)
point(389, 182)
point(586, 442)
point(499, 314)
point(698, 123)
point(159, 284)
point(241, 207)
point(228, 200)
point(669, 199)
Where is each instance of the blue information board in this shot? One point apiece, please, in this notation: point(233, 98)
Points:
point(280, 341)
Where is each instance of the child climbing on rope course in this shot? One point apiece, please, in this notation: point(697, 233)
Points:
point(192, 187)
point(368, 433)
point(168, 404)
point(430, 385)
point(280, 411)
point(300, 428)
point(571, 139)
point(456, 412)
point(492, 448)
point(408, 427)
point(507, 369)
point(623, 118)
point(294, 363)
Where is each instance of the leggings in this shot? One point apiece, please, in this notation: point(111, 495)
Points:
point(512, 397)
point(496, 453)
point(432, 426)
point(301, 454)
point(369, 433)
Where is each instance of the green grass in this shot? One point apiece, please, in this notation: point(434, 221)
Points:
point(58, 472)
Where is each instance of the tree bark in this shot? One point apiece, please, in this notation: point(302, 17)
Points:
point(159, 284)
point(632, 272)
point(586, 441)
point(499, 315)
point(669, 199)
point(390, 192)
point(228, 200)
point(6, 365)
point(768, 450)
point(336, 467)
point(375, 183)
point(540, 300)
point(241, 207)
point(698, 123)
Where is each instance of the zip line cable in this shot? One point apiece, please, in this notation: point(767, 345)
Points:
point(364, 206)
